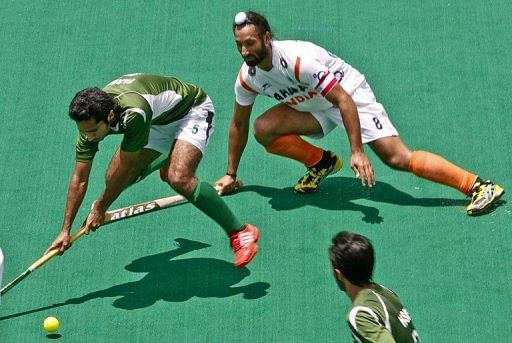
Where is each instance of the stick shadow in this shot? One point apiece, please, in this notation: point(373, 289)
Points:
point(339, 194)
point(173, 280)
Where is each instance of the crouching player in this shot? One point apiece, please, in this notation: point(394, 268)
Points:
point(166, 123)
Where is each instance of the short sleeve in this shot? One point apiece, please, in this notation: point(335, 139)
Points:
point(244, 94)
point(85, 150)
point(136, 133)
point(365, 326)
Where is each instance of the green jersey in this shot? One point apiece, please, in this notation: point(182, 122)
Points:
point(144, 100)
point(378, 316)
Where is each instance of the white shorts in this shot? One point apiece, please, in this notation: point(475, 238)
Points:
point(196, 128)
point(374, 120)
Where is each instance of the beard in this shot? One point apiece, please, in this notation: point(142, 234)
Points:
point(256, 58)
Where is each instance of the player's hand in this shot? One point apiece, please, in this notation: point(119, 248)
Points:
point(226, 184)
point(62, 242)
point(95, 219)
point(362, 167)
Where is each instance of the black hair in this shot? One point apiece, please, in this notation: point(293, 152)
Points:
point(353, 255)
point(90, 103)
point(257, 20)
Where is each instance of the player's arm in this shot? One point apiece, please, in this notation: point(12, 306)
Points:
point(359, 162)
point(122, 171)
point(238, 135)
point(126, 165)
point(76, 192)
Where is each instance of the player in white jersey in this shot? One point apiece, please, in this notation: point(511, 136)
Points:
point(318, 91)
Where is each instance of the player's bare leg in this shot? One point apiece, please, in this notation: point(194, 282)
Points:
point(393, 152)
point(279, 130)
point(182, 165)
point(281, 120)
point(427, 165)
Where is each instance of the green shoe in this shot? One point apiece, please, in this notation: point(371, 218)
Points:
point(309, 183)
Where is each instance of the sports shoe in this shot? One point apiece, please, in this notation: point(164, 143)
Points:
point(310, 182)
point(485, 194)
point(244, 245)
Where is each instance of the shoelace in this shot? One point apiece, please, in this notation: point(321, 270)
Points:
point(487, 192)
point(482, 192)
point(315, 175)
point(245, 238)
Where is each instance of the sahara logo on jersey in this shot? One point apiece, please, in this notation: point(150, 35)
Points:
point(301, 98)
point(133, 210)
point(285, 93)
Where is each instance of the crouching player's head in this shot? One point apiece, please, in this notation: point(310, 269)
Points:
point(94, 111)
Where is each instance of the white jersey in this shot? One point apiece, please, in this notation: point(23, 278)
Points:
point(302, 74)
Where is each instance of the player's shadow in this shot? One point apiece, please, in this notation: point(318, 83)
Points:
point(179, 280)
point(339, 194)
point(173, 280)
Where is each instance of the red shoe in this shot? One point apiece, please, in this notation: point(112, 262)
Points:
point(244, 245)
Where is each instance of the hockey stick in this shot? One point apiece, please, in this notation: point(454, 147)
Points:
point(110, 217)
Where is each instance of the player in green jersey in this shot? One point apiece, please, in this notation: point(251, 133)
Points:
point(376, 314)
point(166, 124)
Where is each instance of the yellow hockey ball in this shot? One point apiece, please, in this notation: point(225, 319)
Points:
point(51, 324)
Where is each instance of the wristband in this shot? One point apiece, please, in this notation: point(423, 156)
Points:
point(233, 175)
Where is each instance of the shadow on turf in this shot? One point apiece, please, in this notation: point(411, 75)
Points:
point(173, 281)
point(53, 335)
point(338, 193)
